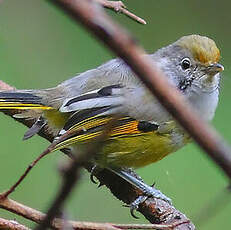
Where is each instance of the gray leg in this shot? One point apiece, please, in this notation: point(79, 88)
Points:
point(146, 189)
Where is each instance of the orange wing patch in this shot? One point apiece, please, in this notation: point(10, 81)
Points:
point(93, 127)
point(129, 128)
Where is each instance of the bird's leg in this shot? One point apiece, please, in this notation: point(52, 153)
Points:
point(148, 191)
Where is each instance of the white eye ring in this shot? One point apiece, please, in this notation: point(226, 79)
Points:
point(185, 63)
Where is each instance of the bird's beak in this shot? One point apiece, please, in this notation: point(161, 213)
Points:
point(215, 68)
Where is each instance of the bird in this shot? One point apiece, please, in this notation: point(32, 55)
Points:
point(144, 131)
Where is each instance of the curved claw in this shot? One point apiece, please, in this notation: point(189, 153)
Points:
point(92, 178)
point(153, 184)
point(95, 169)
point(132, 210)
point(92, 174)
point(135, 205)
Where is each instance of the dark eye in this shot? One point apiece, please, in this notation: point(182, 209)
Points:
point(185, 63)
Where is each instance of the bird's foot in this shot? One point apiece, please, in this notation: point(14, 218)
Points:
point(149, 192)
point(137, 182)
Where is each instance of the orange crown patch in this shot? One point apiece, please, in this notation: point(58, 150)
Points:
point(202, 48)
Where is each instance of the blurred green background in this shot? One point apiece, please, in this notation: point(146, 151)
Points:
point(40, 47)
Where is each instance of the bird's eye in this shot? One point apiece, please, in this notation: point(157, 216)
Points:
point(185, 63)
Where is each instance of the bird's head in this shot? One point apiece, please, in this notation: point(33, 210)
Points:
point(192, 63)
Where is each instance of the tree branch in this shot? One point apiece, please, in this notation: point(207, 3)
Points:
point(57, 223)
point(38, 217)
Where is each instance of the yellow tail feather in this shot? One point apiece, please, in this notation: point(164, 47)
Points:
point(16, 105)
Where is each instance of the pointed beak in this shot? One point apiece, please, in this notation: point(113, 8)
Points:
point(215, 68)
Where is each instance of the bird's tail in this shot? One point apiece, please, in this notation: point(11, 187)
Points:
point(22, 99)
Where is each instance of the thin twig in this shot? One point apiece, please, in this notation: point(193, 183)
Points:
point(11, 225)
point(119, 7)
point(29, 168)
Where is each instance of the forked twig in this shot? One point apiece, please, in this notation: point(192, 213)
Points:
point(119, 7)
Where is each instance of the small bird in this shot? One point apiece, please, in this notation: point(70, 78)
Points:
point(144, 132)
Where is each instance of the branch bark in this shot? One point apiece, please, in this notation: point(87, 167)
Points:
point(38, 217)
point(57, 223)
point(11, 225)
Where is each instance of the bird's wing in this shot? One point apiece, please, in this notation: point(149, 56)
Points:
point(115, 86)
point(109, 97)
point(87, 125)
